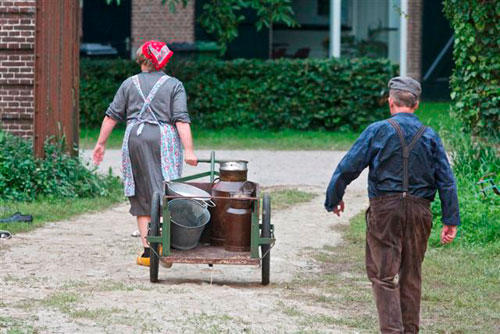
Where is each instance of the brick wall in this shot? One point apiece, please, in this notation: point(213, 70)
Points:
point(17, 42)
point(414, 56)
point(152, 20)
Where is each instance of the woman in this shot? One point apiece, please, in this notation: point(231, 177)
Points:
point(154, 106)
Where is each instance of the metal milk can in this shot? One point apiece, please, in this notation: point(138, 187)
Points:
point(238, 223)
point(232, 175)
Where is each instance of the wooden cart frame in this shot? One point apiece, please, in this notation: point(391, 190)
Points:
point(261, 237)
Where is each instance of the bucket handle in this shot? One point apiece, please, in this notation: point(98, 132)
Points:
point(210, 203)
point(205, 203)
point(217, 179)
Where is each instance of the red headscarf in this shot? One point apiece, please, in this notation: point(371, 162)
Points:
point(157, 52)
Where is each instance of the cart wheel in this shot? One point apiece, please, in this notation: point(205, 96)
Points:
point(154, 260)
point(266, 233)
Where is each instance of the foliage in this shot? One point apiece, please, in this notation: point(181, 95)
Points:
point(273, 94)
point(472, 159)
point(476, 78)
point(25, 178)
point(222, 17)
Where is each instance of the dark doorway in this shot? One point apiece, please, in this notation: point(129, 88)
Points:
point(250, 43)
point(437, 52)
point(108, 24)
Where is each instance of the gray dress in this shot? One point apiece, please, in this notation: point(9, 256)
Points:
point(169, 106)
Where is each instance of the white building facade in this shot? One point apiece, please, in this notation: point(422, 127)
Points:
point(355, 28)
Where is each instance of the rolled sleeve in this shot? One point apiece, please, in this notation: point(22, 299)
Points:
point(117, 110)
point(179, 105)
point(446, 185)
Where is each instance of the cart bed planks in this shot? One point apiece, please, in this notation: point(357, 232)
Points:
point(204, 254)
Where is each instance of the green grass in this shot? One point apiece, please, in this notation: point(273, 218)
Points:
point(235, 139)
point(288, 197)
point(460, 285)
point(437, 115)
point(48, 210)
point(10, 325)
point(433, 114)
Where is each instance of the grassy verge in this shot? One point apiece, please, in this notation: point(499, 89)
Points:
point(433, 114)
point(437, 115)
point(235, 139)
point(460, 286)
point(47, 210)
point(287, 197)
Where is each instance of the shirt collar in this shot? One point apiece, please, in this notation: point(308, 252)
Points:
point(405, 114)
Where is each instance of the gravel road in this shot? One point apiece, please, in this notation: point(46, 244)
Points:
point(79, 276)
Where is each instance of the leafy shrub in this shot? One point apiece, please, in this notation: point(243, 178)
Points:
point(473, 158)
point(25, 178)
point(476, 78)
point(272, 94)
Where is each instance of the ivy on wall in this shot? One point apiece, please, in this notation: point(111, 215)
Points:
point(475, 83)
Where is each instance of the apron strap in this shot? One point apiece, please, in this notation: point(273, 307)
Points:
point(151, 95)
point(149, 99)
point(406, 149)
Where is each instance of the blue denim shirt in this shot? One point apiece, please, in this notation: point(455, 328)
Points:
point(379, 148)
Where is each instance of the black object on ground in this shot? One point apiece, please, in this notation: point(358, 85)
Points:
point(17, 218)
point(5, 234)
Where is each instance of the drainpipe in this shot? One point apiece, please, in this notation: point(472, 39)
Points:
point(403, 39)
point(335, 8)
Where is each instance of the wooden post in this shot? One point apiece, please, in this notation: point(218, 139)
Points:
point(57, 73)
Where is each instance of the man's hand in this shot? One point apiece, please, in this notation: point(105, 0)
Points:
point(190, 158)
point(448, 233)
point(98, 154)
point(339, 208)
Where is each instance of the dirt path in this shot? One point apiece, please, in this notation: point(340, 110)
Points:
point(79, 276)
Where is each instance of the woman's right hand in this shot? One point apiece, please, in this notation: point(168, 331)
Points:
point(190, 158)
point(98, 154)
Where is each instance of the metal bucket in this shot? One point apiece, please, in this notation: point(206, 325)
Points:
point(187, 190)
point(189, 218)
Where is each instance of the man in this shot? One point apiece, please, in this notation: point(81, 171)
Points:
point(407, 165)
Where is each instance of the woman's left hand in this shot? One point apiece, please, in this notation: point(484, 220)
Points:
point(190, 158)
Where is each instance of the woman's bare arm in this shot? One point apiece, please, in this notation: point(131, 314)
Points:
point(107, 126)
point(184, 130)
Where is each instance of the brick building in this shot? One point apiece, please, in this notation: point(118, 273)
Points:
point(427, 54)
point(17, 63)
point(152, 20)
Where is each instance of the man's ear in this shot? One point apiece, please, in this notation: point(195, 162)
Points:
point(417, 105)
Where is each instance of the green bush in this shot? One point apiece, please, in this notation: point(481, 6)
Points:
point(476, 78)
point(272, 94)
point(473, 158)
point(25, 178)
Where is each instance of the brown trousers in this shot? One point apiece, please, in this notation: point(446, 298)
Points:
point(398, 228)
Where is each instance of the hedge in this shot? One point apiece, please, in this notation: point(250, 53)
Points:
point(475, 82)
point(272, 94)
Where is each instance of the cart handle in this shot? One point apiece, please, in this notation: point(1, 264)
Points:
point(217, 161)
point(213, 160)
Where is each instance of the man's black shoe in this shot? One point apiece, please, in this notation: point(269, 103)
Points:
point(17, 217)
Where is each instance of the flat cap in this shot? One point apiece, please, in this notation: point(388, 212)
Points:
point(407, 84)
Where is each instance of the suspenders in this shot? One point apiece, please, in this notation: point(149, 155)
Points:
point(406, 149)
